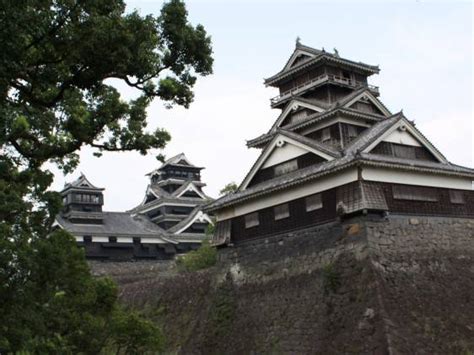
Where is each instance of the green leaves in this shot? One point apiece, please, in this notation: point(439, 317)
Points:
point(56, 62)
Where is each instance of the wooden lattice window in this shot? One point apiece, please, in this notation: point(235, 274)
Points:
point(314, 202)
point(286, 167)
point(281, 211)
point(456, 196)
point(414, 193)
point(404, 151)
point(252, 220)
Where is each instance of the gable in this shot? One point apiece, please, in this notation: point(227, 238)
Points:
point(282, 150)
point(366, 102)
point(403, 140)
point(366, 106)
point(191, 191)
point(291, 112)
point(297, 57)
point(402, 137)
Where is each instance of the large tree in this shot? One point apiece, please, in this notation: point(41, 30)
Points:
point(58, 60)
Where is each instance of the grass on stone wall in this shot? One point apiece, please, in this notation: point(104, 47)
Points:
point(331, 279)
point(202, 258)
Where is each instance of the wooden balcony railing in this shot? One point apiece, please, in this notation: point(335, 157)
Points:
point(319, 80)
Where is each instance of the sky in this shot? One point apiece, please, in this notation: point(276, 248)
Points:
point(424, 50)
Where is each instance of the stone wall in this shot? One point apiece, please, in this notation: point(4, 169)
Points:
point(364, 285)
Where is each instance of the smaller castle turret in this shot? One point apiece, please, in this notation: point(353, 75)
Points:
point(82, 201)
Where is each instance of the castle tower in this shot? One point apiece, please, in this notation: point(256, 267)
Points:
point(82, 201)
point(174, 198)
point(336, 150)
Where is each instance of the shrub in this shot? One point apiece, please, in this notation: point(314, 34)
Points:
point(202, 258)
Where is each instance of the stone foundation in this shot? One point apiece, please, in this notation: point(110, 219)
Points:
point(365, 285)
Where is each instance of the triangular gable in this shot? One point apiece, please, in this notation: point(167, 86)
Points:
point(200, 217)
point(293, 106)
point(190, 187)
point(367, 97)
point(403, 132)
point(280, 149)
point(296, 57)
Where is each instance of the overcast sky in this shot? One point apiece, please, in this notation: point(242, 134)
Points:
point(424, 51)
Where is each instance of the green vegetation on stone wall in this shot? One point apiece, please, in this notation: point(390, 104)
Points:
point(202, 258)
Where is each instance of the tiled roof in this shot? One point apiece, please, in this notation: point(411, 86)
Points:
point(186, 220)
point(315, 118)
point(115, 224)
point(82, 183)
point(320, 56)
point(352, 156)
point(371, 134)
point(310, 142)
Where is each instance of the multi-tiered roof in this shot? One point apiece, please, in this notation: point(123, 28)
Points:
point(174, 198)
point(333, 130)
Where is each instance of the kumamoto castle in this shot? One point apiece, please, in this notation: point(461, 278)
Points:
point(335, 151)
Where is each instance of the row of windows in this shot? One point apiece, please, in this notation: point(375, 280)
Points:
point(87, 198)
point(88, 239)
point(313, 202)
point(399, 192)
point(419, 193)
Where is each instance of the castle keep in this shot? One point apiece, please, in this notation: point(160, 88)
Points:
point(168, 221)
point(335, 151)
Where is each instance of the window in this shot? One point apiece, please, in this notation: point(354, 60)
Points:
point(326, 134)
point(251, 220)
point(456, 196)
point(314, 202)
point(136, 240)
point(87, 239)
point(351, 131)
point(414, 193)
point(281, 211)
point(286, 167)
point(404, 151)
point(113, 239)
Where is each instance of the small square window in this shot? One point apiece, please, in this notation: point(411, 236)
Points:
point(281, 212)
point(456, 196)
point(314, 202)
point(87, 239)
point(113, 239)
point(251, 220)
point(136, 240)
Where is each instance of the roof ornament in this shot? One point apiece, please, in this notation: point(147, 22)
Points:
point(323, 50)
point(298, 41)
point(336, 53)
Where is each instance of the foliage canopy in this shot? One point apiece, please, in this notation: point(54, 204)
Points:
point(59, 62)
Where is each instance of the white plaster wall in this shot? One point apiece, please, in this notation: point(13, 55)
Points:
point(316, 186)
point(419, 179)
point(400, 137)
point(287, 152)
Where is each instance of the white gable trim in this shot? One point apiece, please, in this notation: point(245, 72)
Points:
point(293, 105)
point(372, 99)
point(295, 55)
point(405, 126)
point(199, 217)
point(278, 141)
point(192, 187)
point(147, 192)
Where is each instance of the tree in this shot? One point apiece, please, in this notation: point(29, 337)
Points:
point(230, 188)
point(57, 61)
